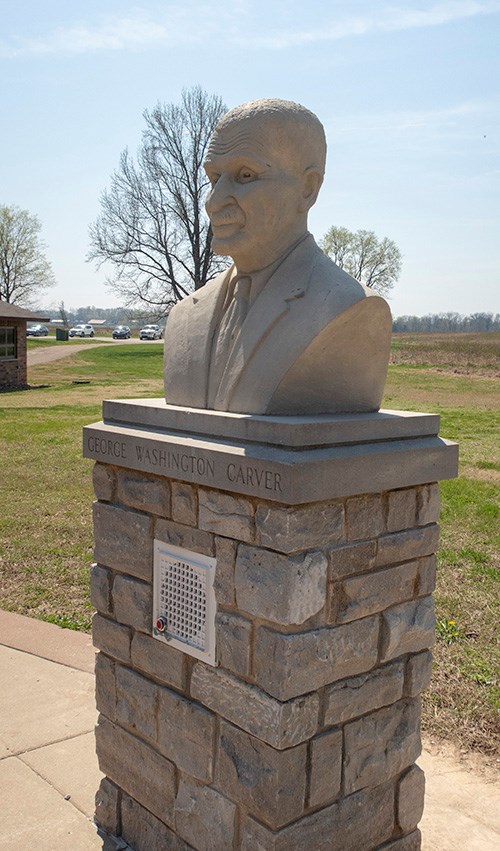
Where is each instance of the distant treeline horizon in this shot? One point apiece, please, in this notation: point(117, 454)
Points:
point(442, 322)
point(448, 322)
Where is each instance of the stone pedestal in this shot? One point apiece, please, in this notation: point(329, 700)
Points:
point(324, 531)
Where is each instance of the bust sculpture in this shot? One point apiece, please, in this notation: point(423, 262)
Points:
point(284, 331)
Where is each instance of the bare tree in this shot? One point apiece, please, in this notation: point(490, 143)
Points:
point(152, 226)
point(24, 269)
point(375, 263)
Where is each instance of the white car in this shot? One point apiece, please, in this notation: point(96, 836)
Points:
point(151, 332)
point(81, 331)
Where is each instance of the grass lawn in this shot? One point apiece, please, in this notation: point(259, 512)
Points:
point(45, 519)
point(458, 376)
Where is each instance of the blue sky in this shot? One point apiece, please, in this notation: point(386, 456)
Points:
point(409, 93)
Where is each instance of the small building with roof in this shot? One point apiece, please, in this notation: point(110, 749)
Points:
point(13, 350)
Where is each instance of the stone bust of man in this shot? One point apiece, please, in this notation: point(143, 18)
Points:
point(284, 331)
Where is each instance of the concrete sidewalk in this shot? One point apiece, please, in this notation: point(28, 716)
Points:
point(49, 773)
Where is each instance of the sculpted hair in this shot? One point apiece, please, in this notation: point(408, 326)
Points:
point(294, 126)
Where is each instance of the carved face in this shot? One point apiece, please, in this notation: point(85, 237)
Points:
point(256, 203)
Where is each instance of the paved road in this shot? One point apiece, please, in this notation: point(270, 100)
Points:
point(52, 353)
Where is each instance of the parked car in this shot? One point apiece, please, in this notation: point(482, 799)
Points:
point(121, 332)
point(151, 332)
point(37, 331)
point(81, 331)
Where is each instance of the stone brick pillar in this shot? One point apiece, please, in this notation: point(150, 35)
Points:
point(324, 530)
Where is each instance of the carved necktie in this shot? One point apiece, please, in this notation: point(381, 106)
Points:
point(237, 304)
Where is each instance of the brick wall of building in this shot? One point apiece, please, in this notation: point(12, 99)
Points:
point(14, 373)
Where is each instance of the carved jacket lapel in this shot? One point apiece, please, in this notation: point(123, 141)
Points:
point(205, 314)
point(288, 283)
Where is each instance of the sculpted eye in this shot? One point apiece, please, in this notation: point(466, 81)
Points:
point(246, 175)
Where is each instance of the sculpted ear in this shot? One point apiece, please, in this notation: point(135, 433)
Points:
point(311, 184)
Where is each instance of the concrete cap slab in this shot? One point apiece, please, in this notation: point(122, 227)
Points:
point(318, 430)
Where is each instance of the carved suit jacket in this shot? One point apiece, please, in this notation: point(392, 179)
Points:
point(314, 341)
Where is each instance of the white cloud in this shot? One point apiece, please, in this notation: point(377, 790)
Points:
point(388, 19)
point(237, 25)
point(133, 32)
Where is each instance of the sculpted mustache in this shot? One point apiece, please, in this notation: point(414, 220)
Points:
point(227, 219)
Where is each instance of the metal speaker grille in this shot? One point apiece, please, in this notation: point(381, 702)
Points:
point(184, 600)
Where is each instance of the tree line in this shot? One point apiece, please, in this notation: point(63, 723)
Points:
point(448, 322)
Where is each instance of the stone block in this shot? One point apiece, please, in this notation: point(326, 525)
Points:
point(379, 746)
point(281, 725)
point(133, 602)
point(426, 579)
point(373, 592)
point(184, 503)
point(290, 530)
point(404, 546)
point(356, 696)
point(204, 817)
point(158, 660)
point(410, 793)
point(100, 588)
point(408, 628)
point(185, 536)
point(401, 509)
point(270, 783)
point(326, 768)
point(361, 821)
point(144, 493)
point(111, 637)
point(136, 703)
point(364, 517)
point(234, 635)
point(428, 504)
point(105, 686)
point(103, 479)
point(186, 734)
point(287, 665)
point(142, 830)
point(107, 807)
point(226, 515)
point(350, 559)
point(283, 589)
point(418, 673)
point(123, 540)
point(412, 842)
point(136, 768)
point(225, 554)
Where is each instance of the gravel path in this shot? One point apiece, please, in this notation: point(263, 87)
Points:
point(52, 353)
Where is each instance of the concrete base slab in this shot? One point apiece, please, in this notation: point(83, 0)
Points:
point(34, 815)
point(48, 641)
point(71, 768)
point(462, 807)
point(41, 703)
point(462, 810)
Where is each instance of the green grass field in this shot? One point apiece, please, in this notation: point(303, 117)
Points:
point(45, 521)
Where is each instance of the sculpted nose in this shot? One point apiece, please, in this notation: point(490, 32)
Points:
point(219, 196)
